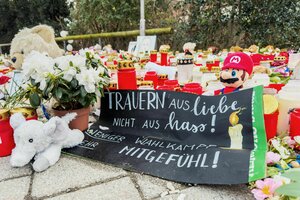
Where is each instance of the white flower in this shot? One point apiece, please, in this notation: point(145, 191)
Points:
point(69, 74)
point(69, 47)
point(64, 33)
point(82, 52)
point(282, 179)
point(43, 84)
point(86, 78)
point(297, 139)
point(37, 66)
point(63, 62)
point(79, 61)
point(284, 153)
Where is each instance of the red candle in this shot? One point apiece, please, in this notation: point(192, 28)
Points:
point(152, 76)
point(193, 88)
point(126, 75)
point(6, 134)
point(271, 121)
point(162, 78)
point(174, 84)
point(294, 123)
point(163, 57)
point(153, 56)
point(165, 87)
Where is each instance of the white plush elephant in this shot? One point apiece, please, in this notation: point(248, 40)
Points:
point(43, 141)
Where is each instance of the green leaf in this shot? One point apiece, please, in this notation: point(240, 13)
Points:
point(292, 189)
point(293, 174)
point(82, 101)
point(74, 83)
point(58, 93)
point(34, 100)
point(82, 91)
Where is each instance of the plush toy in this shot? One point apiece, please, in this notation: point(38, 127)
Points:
point(236, 49)
point(259, 69)
point(236, 70)
point(43, 141)
point(39, 38)
point(189, 48)
point(253, 48)
point(164, 47)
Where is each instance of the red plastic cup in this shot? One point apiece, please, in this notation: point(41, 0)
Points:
point(294, 122)
point(173, 83)
point(271, 121)
point(6, 138)
point(152, 76)
point(165, 87)
point(193, 88)
point(127, 80)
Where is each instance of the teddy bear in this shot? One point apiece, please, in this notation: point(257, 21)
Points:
point(42, 141)
point(39, 38)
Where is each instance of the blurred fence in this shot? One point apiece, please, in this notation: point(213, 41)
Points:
point(154, 31)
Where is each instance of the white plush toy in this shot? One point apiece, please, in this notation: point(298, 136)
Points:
point(43, 141)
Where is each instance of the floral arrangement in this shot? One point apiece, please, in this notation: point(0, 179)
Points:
point(73, 81)
point(283, 171)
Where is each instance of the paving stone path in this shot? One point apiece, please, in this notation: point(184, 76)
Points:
point(76, 178)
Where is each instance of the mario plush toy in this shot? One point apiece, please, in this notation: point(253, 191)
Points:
point(236, 70)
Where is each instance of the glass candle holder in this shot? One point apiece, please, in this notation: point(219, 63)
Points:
point(185, 70)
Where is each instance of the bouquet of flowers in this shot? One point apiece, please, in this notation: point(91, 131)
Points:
point(73, 81)
point(283, 171)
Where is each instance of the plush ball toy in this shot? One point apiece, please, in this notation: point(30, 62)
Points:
point(39, 38)
point(236, 70)
point(43, 141)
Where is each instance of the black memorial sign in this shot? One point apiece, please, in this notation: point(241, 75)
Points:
point(179, 136)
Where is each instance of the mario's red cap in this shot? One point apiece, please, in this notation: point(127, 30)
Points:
point(238, 60)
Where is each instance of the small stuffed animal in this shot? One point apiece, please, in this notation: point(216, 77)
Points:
point(236, 70)
point(189, 48)
point(164, 47)
point(43, 141)
point(236, 49)
point(39, 38)
point(253, 48)
point(259, 69)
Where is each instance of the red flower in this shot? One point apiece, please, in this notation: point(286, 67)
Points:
point(4, 79)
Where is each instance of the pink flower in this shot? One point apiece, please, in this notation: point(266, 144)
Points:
point(265, 188)
point(272, 157)
point(288, 140)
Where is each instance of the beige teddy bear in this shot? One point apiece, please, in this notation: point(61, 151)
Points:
point(39, 38)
